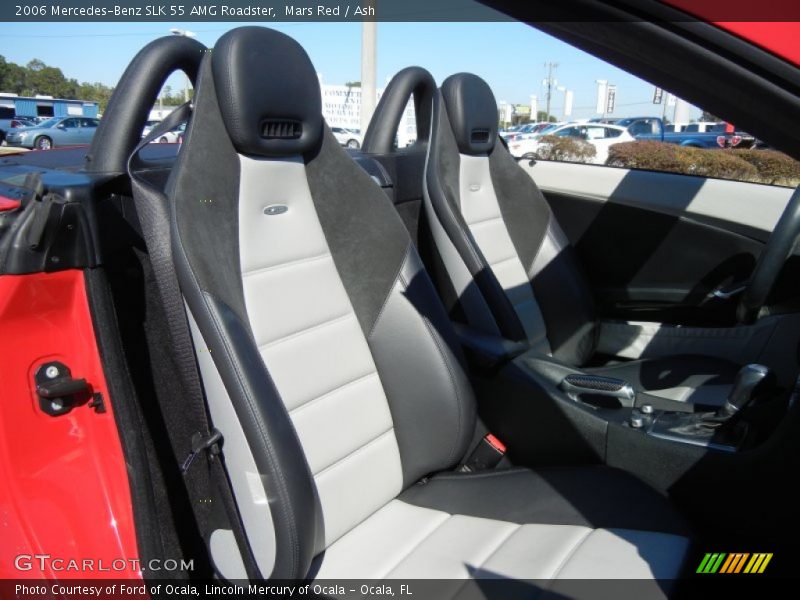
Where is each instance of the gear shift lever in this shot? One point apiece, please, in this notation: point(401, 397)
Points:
point(722, 429)
point(750, 382)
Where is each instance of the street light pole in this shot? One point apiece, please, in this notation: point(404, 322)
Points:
point(189, 34)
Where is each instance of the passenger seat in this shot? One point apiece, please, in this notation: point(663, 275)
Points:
point(331, 369)
point(508, 263)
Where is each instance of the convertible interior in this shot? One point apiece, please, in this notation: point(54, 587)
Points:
point(432, 362)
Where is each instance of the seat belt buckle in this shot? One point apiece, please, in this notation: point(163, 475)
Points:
point(486, 455)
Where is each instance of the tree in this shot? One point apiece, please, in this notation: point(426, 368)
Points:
point(12, 77)
point(707, 116)
point(95, 91)
point(35, 65)
point(37, 78)
point(542, 116)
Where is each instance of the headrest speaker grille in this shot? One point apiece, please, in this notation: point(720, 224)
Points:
point(281, 129)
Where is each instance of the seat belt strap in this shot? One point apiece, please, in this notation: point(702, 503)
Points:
point(196, 445)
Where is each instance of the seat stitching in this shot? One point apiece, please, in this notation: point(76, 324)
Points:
point(338, 388)
point(415, 547)
point(291, 263)
point(497, 548)
point(503, 473)
point(339, 461)
point(546, 236)
point(486, 220)
point(306, 330)
point(494, 551)
point(571, 553)
point(389, 292)
point(504, 260)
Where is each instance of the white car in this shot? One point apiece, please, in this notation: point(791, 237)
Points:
point(523, 131)
point(171, 137)
point(600, 135)
point(148, 127)
point(347, 137)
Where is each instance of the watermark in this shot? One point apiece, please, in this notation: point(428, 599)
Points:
point(48, 562)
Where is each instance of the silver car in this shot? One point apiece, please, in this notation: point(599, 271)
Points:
point(54, 132)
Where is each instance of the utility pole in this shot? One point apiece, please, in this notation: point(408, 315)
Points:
point(549, 83)
point(369, 37)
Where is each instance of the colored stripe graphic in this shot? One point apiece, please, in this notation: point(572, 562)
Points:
point(711, 562)
point(726, 565)
point(758, 563)
point(736, 562)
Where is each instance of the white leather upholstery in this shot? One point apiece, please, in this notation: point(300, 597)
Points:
point(406, 541)
point(246, 483)
point(312, 344)
point(481, 212)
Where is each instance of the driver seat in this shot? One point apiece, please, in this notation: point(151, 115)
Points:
point(331, 369)
point(509, 268)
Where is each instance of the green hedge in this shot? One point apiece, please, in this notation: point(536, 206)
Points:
point(567, 149)
point(759, 166)
point(773, 167)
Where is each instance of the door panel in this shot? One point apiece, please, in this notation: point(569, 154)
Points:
point(64, 488)
point(655, 246)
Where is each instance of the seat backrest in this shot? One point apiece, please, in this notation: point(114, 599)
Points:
point(328, 362)
point(509, 265)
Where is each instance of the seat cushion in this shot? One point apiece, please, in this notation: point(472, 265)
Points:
point(687, 378)
point(568, 523)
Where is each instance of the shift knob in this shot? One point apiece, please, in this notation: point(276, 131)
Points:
point(751, 380)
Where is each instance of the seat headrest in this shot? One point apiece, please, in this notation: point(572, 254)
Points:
point(472, 111)
point(268, 92)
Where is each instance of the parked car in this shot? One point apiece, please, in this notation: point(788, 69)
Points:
point(695, 135)
point(13, 123)
point(600, 135)
point(347, 137)
point(172, 137)
point(148, 126)
point(526, 130)
point(54, 132)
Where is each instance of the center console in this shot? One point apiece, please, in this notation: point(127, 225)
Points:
point(554, 412)
point(551, 415)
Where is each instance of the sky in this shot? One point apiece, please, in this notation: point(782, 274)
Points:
point(510, 56)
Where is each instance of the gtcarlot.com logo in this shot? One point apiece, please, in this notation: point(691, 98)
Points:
point(736, 562)
point(44, 562)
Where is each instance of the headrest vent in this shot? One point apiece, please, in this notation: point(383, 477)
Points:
point(479, 136)
point(281, 129)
